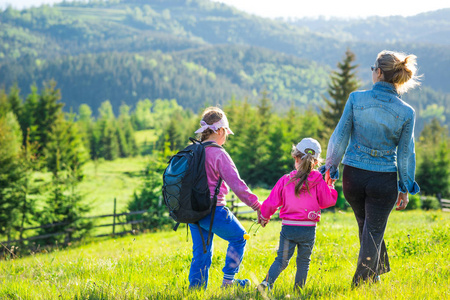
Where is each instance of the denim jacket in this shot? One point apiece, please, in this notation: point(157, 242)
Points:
point(376, 132)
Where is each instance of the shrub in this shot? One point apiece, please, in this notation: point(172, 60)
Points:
point(429, 202)
point(414, 202)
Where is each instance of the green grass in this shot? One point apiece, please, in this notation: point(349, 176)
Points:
point(107, 180)
point(156, 265)
point(145, 137)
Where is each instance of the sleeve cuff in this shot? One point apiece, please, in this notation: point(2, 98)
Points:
point(256, 206)
point(334, 172)
point(414, 190)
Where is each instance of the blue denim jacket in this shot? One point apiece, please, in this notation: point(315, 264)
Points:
point(376, 132)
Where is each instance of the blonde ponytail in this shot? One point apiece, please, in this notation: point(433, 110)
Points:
point(398, 69)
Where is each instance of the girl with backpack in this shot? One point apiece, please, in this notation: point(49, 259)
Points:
point(218, 164)
point(301, 195)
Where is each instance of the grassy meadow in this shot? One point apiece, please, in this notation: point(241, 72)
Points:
point(156, 265)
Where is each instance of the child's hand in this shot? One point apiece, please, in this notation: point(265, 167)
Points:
point(261, 220)
point(328, 179)
point(264, 222)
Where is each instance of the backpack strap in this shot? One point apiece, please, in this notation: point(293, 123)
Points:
point(201, 234)
point(213, 209)
point(216, 193)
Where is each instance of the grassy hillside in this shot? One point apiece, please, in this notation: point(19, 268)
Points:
point(155, 266)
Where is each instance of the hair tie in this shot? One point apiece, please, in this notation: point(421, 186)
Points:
point(310, 152)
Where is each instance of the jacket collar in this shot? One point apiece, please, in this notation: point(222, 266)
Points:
point(385, 87)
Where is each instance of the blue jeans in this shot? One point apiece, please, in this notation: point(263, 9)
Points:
point(302, 237)
point(227, 227)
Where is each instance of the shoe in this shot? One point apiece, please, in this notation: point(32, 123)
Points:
point(263, 287)
point(377, 279)
point(242, 283)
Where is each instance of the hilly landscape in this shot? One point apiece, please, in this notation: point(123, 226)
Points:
point(198, 51)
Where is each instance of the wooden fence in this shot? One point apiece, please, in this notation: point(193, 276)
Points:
point(115, 217)
point(234, 206)
point(445, 204)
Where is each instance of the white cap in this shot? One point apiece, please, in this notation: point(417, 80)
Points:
point(309, 144)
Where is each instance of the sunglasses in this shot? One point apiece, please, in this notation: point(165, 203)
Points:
point(373, 68)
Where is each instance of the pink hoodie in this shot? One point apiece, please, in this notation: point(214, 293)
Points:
point(305, 209)
point(218, 163)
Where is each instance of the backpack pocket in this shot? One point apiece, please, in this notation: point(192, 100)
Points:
point(200, 200)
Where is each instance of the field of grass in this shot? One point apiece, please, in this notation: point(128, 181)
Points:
point(156, 265)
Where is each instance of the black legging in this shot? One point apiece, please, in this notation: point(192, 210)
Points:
point(372, 196)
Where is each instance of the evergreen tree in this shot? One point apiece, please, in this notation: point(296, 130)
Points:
point(10, 146)
point(15, 101)
point(4, 103)
point(65, 155)
point(125, 132)
point(433, 172)
point(46, 113)
point(28, 117)
point(142, 118)
point(343, 82)
point(108, 144)
point(85, 124)
point(150, 197)
point(65, 150)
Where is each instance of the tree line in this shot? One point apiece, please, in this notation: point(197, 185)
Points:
point(37, 137)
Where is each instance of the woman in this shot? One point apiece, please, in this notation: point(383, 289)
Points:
point(376, 133)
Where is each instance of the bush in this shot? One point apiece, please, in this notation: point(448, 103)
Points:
point(150, 198)
point(341, 202)
point(429, 202)
point(414, 202)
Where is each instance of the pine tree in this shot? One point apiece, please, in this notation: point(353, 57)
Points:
point(10, 145)
point(433, 172)
point(47, 112)
point(65, 155)
point(28, 117)
point(106, 133)
point(343, 82)
point(15, 101)
point(85, 124)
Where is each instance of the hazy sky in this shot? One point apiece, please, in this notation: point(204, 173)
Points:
point(307, 8)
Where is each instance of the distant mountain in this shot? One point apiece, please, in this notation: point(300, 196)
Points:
point(425, 28)
point(199, 51)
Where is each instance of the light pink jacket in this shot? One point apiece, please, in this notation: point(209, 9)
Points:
point(305, 209)
point(218, 163)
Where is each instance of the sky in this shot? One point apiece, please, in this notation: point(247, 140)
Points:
point(306, 8)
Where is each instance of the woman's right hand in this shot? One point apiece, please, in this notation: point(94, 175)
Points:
point(402, 201)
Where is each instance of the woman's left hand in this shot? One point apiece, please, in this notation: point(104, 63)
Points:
point(328, 178)
point(402, 201)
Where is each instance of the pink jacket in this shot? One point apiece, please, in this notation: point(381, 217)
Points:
point(305, 209)
point(218, 163)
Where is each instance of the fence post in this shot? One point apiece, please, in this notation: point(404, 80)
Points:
point(114, 217)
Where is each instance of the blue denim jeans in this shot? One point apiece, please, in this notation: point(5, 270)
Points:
point(227, 227)
point(302, 237)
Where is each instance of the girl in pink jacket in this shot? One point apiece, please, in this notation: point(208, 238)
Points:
point(300, 196)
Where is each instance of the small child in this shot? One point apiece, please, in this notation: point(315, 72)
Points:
point(300, 194)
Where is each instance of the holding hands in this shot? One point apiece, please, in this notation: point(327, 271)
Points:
point(261, 220)
point(328, 178)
